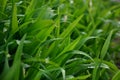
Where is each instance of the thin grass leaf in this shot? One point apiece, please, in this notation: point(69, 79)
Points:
point(106, 46)
point(63, 73)
point(82, 53)
point(83, 77)
point(47, 61)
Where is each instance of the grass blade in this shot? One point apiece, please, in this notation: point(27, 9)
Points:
point(106, 46)
point(14, 19)
point(13, 73)
point(70, 27)
point(116, 76)
point(3, 5)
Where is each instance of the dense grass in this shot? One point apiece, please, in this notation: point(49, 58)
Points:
point(59, 40)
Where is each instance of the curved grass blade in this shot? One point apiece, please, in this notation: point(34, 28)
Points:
point(63, 73)
point(83, 53)
point(83, 77)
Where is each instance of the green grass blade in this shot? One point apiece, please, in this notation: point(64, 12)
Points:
point(19, 51)
point(106, 46)
point(76, 44)
point(63, 73)
point(116, 76)
point(14, 19)
point(2, 5)
point(13, 73)
point(83, 77)
point(70, 46)
point(70, 27)
point(96, 71)
point(83, 53)
point(30, 9)
point(43, 34)
point(111, 65)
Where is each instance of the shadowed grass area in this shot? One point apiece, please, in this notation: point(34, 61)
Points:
point(59, 40)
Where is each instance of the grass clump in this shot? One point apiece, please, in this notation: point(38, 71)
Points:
point(59, 39)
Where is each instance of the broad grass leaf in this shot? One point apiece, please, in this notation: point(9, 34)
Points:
point(14, 21)
point(38, 76)
point(3, 5)
point(38, 26)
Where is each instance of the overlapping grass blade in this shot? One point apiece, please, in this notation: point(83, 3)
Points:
point(13, 72)
point(116, 76)
point(71, 27)
point(76, 44)
point(96, 70)
point(66, 39)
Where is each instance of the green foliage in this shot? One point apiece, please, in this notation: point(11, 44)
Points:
point(59, 39)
